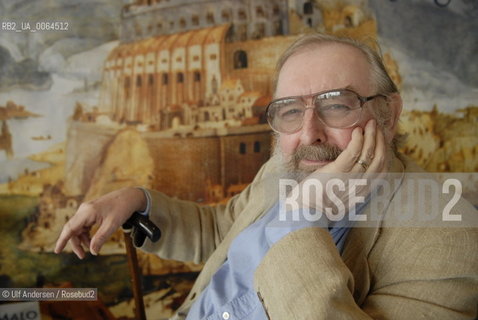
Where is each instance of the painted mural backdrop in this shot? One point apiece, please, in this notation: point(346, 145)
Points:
point(100, 94)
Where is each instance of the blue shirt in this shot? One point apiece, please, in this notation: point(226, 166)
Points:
point(230, 293)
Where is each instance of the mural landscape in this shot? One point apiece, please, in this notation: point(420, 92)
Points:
point(177, 91)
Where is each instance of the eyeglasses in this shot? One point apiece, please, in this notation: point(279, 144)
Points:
point(341, 108)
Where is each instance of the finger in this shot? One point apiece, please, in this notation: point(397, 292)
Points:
point(74, 226)
point(105, 230)
point(366, 164)
point(85, 239)
point(348, 158)
point(370, 138)
point(378, 161)
point(368, 148)
point(65, 235)
point(76, 247)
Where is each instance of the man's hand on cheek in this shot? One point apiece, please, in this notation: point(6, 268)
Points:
point(338, 181)
point(365, 152)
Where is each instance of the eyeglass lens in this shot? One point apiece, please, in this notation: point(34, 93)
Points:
point(337, 109)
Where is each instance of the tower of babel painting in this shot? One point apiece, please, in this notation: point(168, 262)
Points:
point(199, 70)
point(175, 57)
point(184, 93)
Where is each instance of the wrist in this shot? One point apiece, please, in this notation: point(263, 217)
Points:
point(145, 201)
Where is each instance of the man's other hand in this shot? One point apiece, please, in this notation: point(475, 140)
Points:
point(109, 212)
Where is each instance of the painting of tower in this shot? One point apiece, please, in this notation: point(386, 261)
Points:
point(171, 95)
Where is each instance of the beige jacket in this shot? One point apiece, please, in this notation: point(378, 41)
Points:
point(384, 272)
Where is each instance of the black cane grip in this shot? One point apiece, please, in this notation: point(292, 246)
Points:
point(137, 237)
point(149, 228)
point(142, 227)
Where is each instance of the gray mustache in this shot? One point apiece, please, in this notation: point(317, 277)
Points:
point(319, 152)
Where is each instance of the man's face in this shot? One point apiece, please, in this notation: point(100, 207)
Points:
point(316, 69)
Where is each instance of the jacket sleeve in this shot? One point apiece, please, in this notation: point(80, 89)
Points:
point(191, 232)
point(428, 272)
point(414, 273)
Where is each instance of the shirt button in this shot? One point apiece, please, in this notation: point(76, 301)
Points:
point(225, 315)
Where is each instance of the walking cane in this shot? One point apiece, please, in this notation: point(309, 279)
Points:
point(136, 229)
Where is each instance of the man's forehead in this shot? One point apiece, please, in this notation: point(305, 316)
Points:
point(328, 50)
point(322, 67)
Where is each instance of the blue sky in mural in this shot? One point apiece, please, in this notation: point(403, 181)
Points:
point(47, 72)
point(436, 49)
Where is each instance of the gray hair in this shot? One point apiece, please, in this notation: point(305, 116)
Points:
point(383, 81)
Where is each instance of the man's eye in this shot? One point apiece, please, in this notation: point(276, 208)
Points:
point(336, 108)
point(290, 112)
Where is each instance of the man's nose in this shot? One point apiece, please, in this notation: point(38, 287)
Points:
point(313, 130)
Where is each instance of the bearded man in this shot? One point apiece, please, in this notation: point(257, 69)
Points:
point(335, 111)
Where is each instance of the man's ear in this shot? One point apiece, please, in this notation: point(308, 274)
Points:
point(395, 104)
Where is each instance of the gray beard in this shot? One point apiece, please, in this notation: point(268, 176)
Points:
point(318, 152)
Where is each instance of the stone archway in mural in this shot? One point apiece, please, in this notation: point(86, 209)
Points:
point(175, 122)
